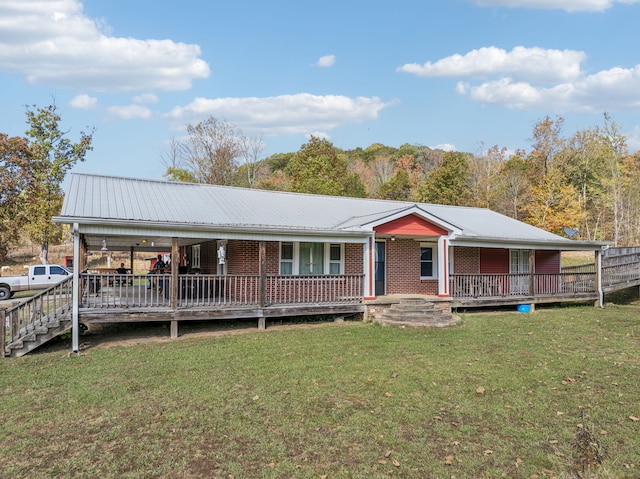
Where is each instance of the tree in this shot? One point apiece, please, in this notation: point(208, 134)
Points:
point(555, 204)
point(397, 188)
point(447, 184)
point(16, 177)
point(513, 186)
point(53, 156)
point(318, 168)
point(212, 151)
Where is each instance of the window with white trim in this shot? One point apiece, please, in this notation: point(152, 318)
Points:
point(428, 261)
point(195, 256)
point(307, 258)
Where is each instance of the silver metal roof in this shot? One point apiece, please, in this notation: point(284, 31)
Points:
point(129, 202)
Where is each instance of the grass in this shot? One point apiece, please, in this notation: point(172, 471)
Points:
point(501, 395)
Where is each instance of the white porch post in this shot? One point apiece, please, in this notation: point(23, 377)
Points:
point(75, 323)
point(368, 261)
point(599, 278)
point(443, 267)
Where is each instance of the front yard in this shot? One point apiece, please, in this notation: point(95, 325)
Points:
point(502, 395)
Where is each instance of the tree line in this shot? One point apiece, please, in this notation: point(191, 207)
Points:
point(587, 183)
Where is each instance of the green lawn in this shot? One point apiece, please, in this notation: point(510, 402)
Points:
point(500, 395)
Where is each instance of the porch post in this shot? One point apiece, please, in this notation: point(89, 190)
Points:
point(77, 264)
point(131, 259)
point(262, 292)
point(368, 262)
point(532, 272)
point(599, 278)
point(443, 267)
point(175, 287)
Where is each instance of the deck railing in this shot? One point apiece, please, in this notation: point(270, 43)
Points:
point(46, 306)
point(621, 271)
point(515, 285)
point(202, 290)
point(316, 289)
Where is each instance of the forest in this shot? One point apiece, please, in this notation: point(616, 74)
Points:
point(585, 186)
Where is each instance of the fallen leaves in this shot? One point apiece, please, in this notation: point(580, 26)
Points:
point(634, 418)
point(480, 390)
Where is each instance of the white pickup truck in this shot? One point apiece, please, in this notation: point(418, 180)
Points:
point(39, 277)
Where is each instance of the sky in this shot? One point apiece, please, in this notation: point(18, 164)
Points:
point(461, 75)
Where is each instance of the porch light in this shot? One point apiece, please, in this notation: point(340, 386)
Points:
point(104, 245)
point(144, 240)
point(393, 237)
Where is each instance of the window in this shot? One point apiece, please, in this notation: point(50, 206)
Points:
point(39, 271)
point(195, 256)
point(286, 258)
point(335, 258)
point(428, 261)
point(57, 270)
point(311, 258)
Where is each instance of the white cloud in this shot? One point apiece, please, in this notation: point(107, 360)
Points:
point(568, 5)
point(536, 79)
point(53, 42)
point(326, 61)
point(608, 90)
point(318, 134)
point(83, 102)
point(145, 98)
point(525, 63)
point(445, 147)
point(301, 113)
point(129, 112)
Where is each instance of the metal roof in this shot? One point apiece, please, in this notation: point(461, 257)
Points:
point(104, 200)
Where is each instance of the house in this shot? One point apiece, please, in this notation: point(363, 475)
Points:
point(253, 253)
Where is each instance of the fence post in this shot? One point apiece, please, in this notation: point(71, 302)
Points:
point(263, 274)
point(5, 331)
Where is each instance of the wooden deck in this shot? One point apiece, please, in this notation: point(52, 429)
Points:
point(132, 298)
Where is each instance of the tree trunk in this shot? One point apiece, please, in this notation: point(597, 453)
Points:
point(44, 253)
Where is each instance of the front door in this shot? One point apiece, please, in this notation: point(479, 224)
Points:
point(380, 269)
point(519, 269)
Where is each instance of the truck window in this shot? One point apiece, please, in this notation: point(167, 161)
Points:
point(39, 271)
point(57, 270)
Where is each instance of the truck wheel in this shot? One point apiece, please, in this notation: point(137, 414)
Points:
point(5, 293)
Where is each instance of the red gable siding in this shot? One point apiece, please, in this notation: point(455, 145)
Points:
point(494, 261)
point(410, 225)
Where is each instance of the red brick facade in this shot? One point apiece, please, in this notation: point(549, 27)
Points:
point(243, 257)
point(403, 269)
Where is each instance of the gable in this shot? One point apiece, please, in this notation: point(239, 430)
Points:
point(410, 225)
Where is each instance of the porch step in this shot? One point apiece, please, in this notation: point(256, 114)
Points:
point(416, 312)
point(28, 341)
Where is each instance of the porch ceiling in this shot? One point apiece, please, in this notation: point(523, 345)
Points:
point(94, 242)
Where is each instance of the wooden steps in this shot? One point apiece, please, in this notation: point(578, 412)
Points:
point(416, 312)
point(39, 333)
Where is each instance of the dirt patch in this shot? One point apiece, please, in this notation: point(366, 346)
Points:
point(110, 335)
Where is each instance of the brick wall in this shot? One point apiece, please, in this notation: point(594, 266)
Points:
point(466, 260)
point(353, 258)
point(403, 269)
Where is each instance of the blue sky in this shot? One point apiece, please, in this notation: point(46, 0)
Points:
point(453, 74)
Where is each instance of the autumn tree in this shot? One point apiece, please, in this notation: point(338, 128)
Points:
point(53, 155)
point(546, 143)
point(513, 186)
point(483, 173)
point(16, 177)
point(554, 204)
